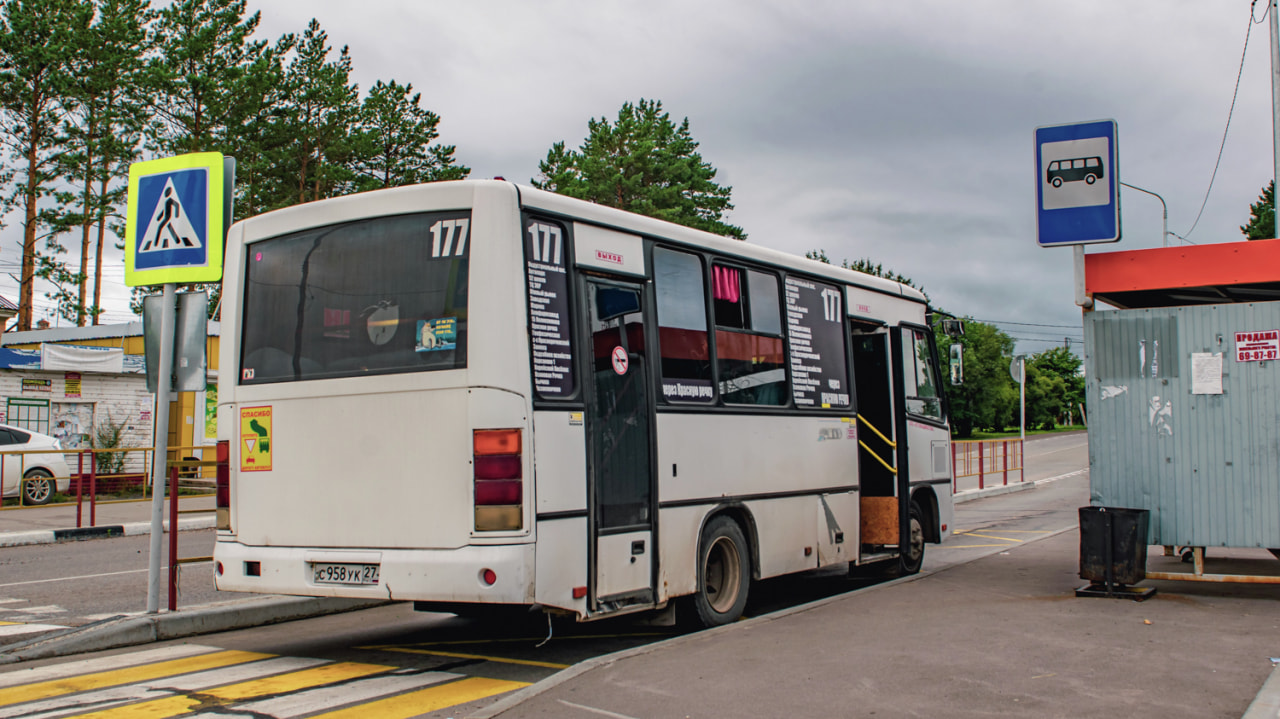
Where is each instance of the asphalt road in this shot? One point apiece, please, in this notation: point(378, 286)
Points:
point(74, 583)
point(497, 655)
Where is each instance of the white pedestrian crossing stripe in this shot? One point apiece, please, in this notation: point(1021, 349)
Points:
point(13, 630)
point(194, 680)
point(170, 227)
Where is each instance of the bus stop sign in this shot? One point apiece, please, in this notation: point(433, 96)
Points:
point(1077, 182)
point(177, 217)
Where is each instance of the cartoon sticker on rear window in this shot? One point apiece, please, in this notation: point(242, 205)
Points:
point(438, 334)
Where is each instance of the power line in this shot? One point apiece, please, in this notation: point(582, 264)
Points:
point(1230, 112)
point(1027, 324)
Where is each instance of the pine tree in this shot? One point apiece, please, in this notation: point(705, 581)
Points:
point(101, 136)
point(1262, 215)
point(395, 141)
point(37, 46)
point(643, 163)
point(322, 110)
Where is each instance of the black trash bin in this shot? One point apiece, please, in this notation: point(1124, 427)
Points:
point(1113, 550)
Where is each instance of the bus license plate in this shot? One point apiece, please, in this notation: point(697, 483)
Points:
point(345, 573)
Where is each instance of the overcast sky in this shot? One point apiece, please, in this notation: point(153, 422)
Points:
point(899, 132)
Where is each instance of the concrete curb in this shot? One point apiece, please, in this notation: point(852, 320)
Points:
point(969, 495)
point(521, 696)
point(124, 631)
point(1267, 704)
point(49, 536)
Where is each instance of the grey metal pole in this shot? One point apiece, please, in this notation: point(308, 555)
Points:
point(1164, 235)
point(164, 381)
point(1275, 103)
point(1022, 387)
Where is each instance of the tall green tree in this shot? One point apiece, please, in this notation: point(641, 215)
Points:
point(867, 267)
point(644, 163)
point(258, 136)
point(1262, 215)
point(38, 42)
point(987, 399)
point(196, 82)
point(104, 116)
point(204, 49)
point(395, 142)
point(323, 109)
point(1061, 364)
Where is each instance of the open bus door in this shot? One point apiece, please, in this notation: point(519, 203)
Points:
point(621, 485)
point(877, 452)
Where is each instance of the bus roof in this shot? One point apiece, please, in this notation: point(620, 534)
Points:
point(627, 221)
point(336, 209)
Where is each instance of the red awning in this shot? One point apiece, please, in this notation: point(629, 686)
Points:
point(1185, 275)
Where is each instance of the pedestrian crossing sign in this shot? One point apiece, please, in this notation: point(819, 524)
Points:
point(174, 228)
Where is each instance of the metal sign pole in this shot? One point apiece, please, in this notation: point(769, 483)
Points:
point(1022, 387)
point(164, 382)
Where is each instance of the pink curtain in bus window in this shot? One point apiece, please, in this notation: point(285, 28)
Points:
point(725, 284)
point(336, 318)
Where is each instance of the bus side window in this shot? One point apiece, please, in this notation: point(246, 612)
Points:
point(682, 327)
point(750, 360)
point(920, 375)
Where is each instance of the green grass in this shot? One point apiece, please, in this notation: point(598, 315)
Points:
point(1014, 433)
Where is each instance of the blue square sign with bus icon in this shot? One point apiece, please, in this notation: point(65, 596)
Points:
point(175, 223)
point(1076, 184)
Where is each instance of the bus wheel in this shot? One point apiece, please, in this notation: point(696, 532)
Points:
point(1090, 179)
point(1057, 182)
point(909, 562)
point(723, 573)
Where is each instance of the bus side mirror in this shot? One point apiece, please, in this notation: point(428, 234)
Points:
point(953, 328)
point(957, 364)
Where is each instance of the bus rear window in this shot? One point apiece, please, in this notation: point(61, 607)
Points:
point(377, 296)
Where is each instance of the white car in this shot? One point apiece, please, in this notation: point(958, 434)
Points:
point(44, 472)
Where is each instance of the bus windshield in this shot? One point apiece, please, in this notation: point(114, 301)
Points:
point(376, 296)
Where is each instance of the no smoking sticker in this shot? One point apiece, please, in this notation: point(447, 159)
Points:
point(620, 360)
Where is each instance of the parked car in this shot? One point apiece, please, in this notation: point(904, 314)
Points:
point(44, 472)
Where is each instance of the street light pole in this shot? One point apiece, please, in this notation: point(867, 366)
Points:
point(1275, 99)
point(1164, 236)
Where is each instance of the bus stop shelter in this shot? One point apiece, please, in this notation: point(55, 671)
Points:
point(1183, 398)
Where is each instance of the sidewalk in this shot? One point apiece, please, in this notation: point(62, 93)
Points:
point(41, 525)
point(999, 636)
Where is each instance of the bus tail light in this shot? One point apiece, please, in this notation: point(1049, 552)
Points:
point(499, 480)
point(223, 473)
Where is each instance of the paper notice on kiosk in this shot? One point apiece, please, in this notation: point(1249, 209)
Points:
point(1206, 373)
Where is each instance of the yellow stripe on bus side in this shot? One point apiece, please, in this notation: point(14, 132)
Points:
point(230, 694)
point(426, 700)
point(116, 677)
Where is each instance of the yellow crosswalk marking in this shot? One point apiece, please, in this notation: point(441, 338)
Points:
point(222, 696)
point(460, 655)
point(426, 700)
point(115, 677)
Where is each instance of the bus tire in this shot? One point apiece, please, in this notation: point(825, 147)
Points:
point(910, 560)
point(724, 573)
point(1057, 182)
point(1090, 179)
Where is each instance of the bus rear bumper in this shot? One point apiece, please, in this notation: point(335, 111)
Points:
point(442, 575)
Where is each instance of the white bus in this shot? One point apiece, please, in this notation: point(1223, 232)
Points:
point(474, 393)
